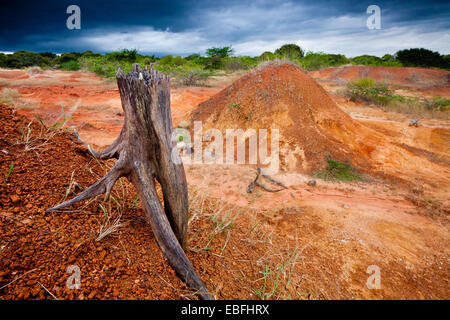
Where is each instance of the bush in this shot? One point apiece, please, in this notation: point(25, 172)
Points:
point(2, 60)
point(169, 60)
point(90, 54)
point(22, 59)
point(370, 91)
point(48, 55)
point(71, 65)
point(338, 171)
point(66, 57)
point(420, 57)
point(368, 60)
point(239, 63)
point(124, 55)
point(319, 60)
point(437, 103)
point(266, 56)
point(290, 51)
point(192, 57)
point(190, 77)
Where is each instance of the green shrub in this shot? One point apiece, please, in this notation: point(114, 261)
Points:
point(370, 91)
point(368, 60)
point(71, 65)
point(338, 171)
point(239, 63)
point(290, 51)
point(420, 57)
point(66, 57)
point(90, 54)
point(266, 56)
point(319, 60)
point(124, 55)
point(22, 59)
point(437, 103)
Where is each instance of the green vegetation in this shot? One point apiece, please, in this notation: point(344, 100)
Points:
point(277, 280)
point(9, 173)
point(195, 68)
point(234, 106)
point(420, 57)
point(290, 51)
point(386, 61)
point(368, 90)
point(378, 93)
point(71, 65)
point(338, 171)
point(319, 60)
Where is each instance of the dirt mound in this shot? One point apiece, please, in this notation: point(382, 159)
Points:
point(418, 78)
point(284, 97)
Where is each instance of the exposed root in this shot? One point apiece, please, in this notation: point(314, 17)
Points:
point(104, 185)
point(255, 182)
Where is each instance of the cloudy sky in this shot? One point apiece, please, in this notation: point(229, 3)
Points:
point(251, 27)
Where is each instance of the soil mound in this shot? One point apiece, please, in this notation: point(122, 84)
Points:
point(284, 97)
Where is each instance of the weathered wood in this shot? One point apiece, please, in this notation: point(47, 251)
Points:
point(143, 150)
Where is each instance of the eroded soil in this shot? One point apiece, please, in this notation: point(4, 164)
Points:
point(305, 242)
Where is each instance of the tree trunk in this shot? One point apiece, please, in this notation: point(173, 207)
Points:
point(143, 150)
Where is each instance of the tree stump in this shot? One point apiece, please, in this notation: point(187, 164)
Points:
point(143, 150)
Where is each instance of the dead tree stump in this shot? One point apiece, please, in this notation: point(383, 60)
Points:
point(143, 150)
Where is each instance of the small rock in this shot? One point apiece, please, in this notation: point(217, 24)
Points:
point(414, 123)
point(312, 183)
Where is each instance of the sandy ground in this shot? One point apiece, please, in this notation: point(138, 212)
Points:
point(338, 230)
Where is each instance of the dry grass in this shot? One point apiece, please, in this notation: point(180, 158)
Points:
point(9, 96)
point(226, 230)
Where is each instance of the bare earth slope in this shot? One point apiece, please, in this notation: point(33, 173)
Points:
point(319, 240)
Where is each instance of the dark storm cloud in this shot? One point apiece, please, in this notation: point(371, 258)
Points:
point(183, 27)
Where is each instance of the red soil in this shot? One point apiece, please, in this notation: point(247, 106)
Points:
point(37, 248)
point(311, 126)
point(283, 97)
point(336, 229)
point(433, 81)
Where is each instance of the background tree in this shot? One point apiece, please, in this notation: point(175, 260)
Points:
point(217, 55)
point(290, 51)
point(420, 57)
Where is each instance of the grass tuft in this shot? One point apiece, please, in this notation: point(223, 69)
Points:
point(338, 171)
